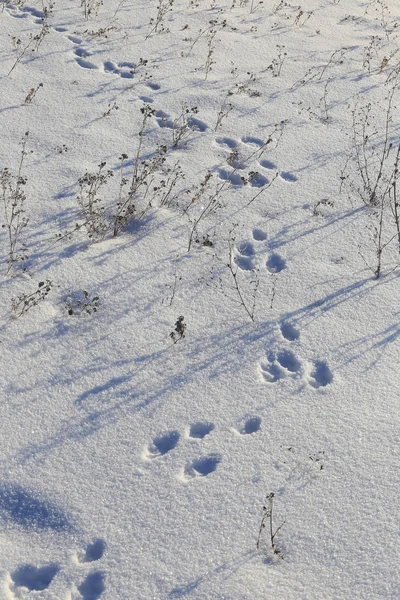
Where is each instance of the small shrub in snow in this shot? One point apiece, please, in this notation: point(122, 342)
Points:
point(248, 305)
point(267, 522)
point(81, 302)
point(277, 63)
point(180, 328)
point(33, 43)
point(24, 302)
point(157, 23)
point(224, 110)
point(164, 191)
point(183, 125)
point(215, 27)
point(91, 7)
point(32, 93)
point(91, 203)
point(372, 170)
point(13, 200)
point(151, 181)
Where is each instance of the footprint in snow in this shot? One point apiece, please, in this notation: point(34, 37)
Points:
point(152, 85)
point(23, 12)
point(245, 256)
point(259, 235)
point(240, 172)
point(201, 467)
point(198, 467)
point(250, 425)
point(93, 586)
point(93, 552)
point(286, 176)
point(74, 39)
point(85, 64)
point(275, 263)
point(289, 332)
point(126, 70)
point(162, 445)
point(251, 178)
point(246, 253)
point(288, 361)
point(123, 69)
point(252, 141)
point(321, 375)
point(31, 578)
point(225, 141)
point(270, 372)
point(38, 14)
point(165, 120)
point(200, 430)
point(267, 164)
point(279, 365)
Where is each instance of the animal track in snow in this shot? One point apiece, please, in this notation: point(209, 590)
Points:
point(241, 172)
point(200, 430)
point(32, 578)
point(246, 248)
point(270, 371)
point(85, 64)
point(24, 11)
point(246, 254)
point(252, 178)
point(275, 263)
point(259, 235)
point(81, 58)
point(124, 69)
point(198, 467)
point(252, 141)
point(288, 176)
point(93, 551)
point(285, 175)
point(27, 578)
point(162, 445)
point(283, 362)
point(93, 586)
point(267, 164)
point(250, 426)
point(289, 332)
point(152, 85)
point(278, 365)
point(239, 157)
point(191, 123)
point(288, 361)
point(321, 375)
point(74, 39)
point(38, 14)
point(201, 467)
point(225, 141)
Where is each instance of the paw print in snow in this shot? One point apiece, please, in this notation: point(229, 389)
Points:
point(27, 578)
point(247, 252)
point(283, 362)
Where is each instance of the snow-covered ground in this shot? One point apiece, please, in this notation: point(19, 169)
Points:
point(233, 340)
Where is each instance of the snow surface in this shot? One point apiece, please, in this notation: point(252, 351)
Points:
point(133, 467)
